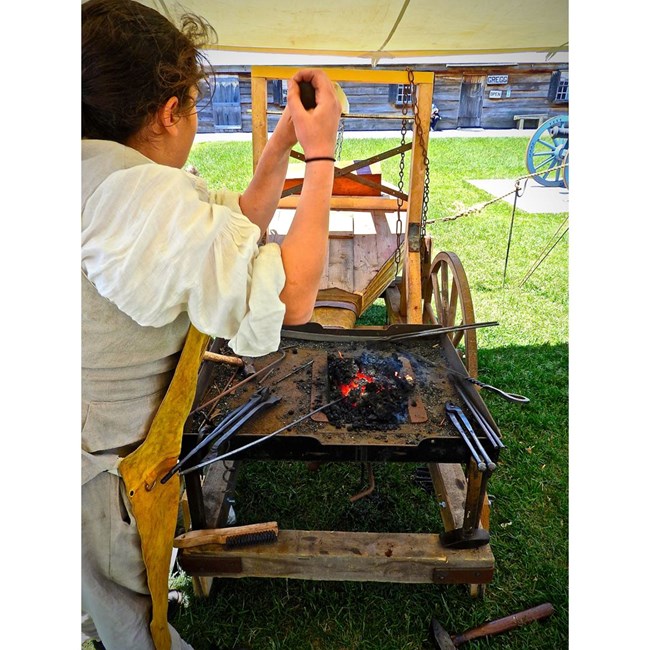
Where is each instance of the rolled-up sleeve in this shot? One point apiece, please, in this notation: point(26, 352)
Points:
point(156, 244)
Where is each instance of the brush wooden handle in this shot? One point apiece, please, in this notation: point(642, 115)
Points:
point(505, 623)
point(221, 535)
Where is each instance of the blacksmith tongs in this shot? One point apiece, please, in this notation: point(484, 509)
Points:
point(261, 399)
point(460, 421)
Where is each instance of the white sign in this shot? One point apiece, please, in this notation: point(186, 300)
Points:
point(495, 94)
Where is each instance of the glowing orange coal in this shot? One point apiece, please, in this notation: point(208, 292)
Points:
point(358, 382)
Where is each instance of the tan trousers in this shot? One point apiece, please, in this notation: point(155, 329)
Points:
point(116, 606)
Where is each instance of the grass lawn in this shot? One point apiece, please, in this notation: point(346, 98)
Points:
point(527, 354)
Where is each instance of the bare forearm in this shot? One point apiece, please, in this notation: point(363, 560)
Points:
point(304, 248)
point(260, 199)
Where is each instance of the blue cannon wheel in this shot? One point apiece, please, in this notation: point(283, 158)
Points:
point(548, 150)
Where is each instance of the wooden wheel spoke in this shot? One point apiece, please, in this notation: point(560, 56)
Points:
point(457, 337)
point(453, 303)
point(446, 299)
point(437, 298)
point(427, 291)
point(444, 292)
point(429, 316)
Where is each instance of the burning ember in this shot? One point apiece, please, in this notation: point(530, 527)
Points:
point(357, 383)
point(377, 391)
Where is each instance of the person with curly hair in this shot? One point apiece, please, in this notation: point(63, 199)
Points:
point(161, 252)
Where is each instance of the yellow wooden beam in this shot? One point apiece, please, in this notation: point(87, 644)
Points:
point(345, 74)
point(412, 269)
point(259, 120)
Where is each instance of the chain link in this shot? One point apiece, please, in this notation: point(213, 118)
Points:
point(339, 139)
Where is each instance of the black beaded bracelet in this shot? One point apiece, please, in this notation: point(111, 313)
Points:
point(319, 158)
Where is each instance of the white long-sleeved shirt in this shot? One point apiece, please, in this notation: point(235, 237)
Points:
point(156, 243)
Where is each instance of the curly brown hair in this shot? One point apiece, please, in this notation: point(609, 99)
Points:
point(133, 60)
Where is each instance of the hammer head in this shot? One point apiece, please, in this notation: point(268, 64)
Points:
point(441, 639)
point(249, 368)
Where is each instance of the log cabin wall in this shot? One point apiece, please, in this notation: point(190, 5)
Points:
point(486, 97)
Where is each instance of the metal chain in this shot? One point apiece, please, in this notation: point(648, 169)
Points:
point(339, 139)
point(425, 155)
point(399, 226)
point(481, 206)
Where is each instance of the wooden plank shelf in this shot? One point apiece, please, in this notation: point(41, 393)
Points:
point(339, 555)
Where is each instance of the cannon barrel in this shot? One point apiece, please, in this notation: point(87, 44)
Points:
point(559, 132)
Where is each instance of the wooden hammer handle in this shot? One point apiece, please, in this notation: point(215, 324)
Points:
point(506, 623)
point(222, 358)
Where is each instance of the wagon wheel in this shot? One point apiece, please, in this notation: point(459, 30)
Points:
point(547, 150)
point(565, 171)
point(445, 289)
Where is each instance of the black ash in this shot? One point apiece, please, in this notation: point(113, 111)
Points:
point(376, 391)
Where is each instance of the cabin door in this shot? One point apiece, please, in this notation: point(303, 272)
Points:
point(471, 101)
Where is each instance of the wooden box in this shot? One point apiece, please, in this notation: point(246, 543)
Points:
point(343, 185)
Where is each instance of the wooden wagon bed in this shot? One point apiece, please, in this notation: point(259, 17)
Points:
point(360, 259)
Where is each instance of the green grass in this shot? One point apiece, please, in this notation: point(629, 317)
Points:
point(527, 353)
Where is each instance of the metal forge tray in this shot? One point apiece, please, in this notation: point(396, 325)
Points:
point(426, 436)
point(460, 554)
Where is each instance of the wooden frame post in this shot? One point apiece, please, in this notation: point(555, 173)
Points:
point(411, 286)
point(411, 275)
point(260, 124)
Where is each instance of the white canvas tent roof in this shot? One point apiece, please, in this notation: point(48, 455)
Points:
point(380, 30)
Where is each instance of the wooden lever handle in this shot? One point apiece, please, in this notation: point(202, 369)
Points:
point(506, 623)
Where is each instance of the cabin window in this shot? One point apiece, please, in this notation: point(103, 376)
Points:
point(399, 94)
point(403, 95)
point(562, 94)
point(558, 89)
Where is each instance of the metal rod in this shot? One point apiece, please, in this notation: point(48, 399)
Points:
point(369, 488)
point(545, 253)
point(363, 116)
point(454, 419)
point(439, 330)
point(510, 397)
point(293, 372)
point(241, 383)
point(512, 223)
point(468, 427)
point(257, 442)
point(323, 336)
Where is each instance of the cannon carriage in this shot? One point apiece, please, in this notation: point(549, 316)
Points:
point(547, 155)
